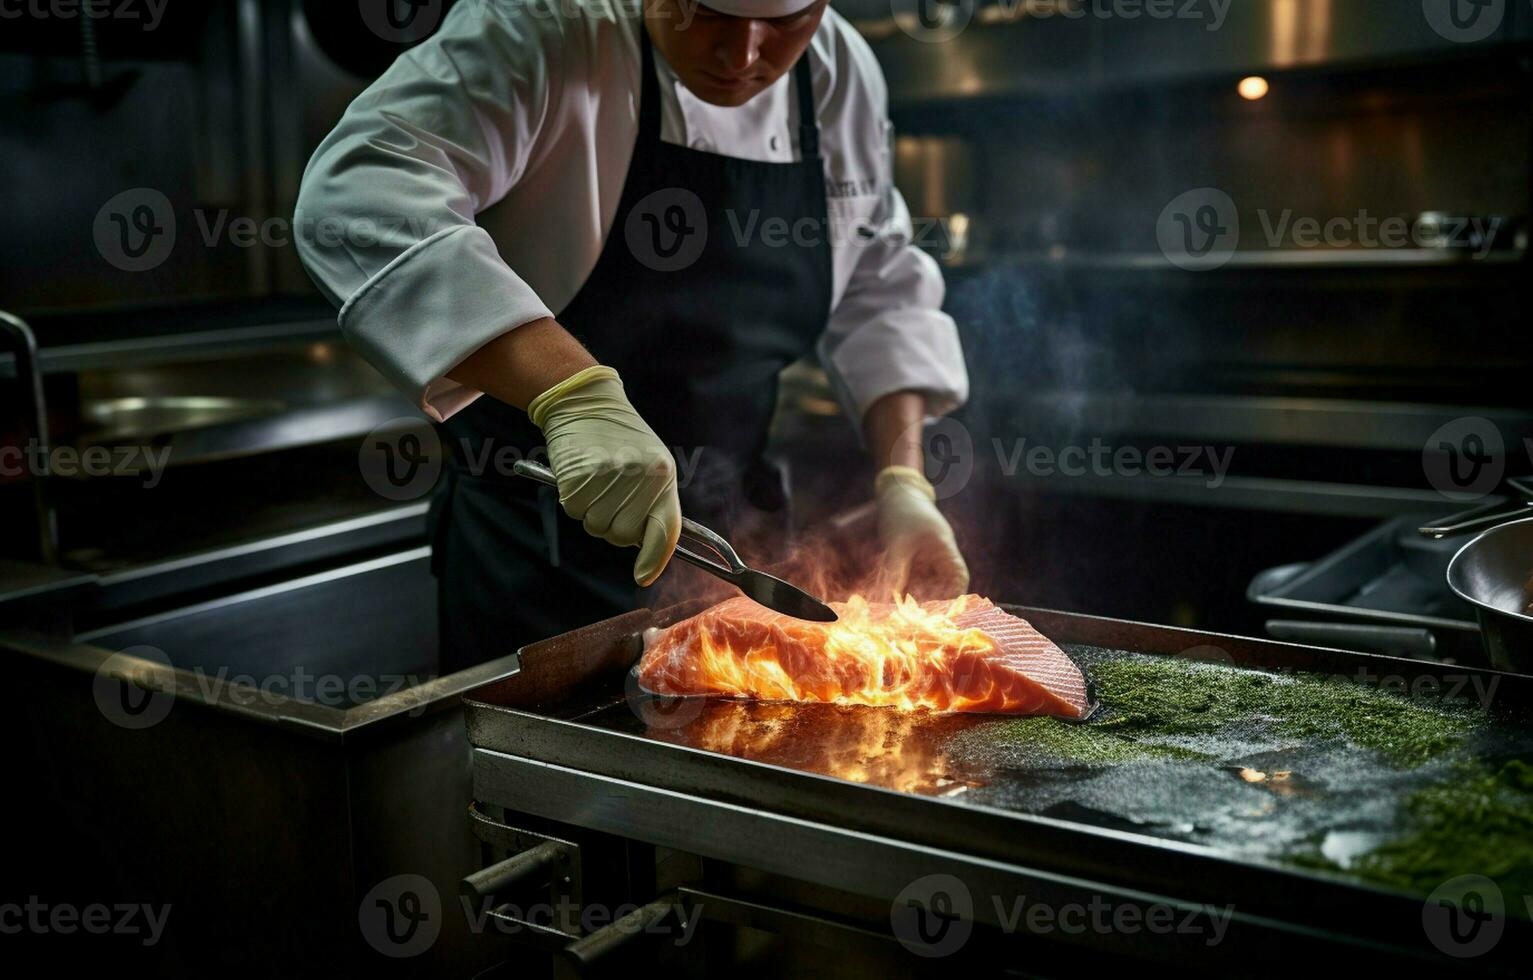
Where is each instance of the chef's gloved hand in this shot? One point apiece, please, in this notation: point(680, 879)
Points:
point(614, 473)
point(919, 549)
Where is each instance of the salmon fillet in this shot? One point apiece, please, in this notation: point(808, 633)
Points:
point(962, 656)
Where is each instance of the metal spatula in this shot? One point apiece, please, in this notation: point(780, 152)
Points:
point(721, 560)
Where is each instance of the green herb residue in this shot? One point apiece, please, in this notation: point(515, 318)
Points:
point(1480, 822)
point(1171, 697)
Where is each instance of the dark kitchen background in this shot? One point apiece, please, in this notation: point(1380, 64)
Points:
point(1118, 204)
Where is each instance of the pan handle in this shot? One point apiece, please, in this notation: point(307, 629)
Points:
point(1391, 641)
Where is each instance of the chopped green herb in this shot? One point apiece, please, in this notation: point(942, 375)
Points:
point(1479, 821)
point(1173, 697)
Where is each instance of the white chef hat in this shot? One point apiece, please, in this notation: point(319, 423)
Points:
point(758, 8)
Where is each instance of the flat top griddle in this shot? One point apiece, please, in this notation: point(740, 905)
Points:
point(1250, 789)
point(1201, 826)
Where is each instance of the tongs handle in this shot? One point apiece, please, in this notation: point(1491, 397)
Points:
point(726, 569)
point(1498, 511)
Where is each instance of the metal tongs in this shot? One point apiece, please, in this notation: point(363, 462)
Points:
point(721, 560)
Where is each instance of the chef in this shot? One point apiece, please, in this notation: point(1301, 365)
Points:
point(605, 230)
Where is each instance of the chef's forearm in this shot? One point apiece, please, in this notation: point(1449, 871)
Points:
point(523, 363)
point(893, 428)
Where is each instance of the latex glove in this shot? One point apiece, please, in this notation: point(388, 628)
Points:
point(615, 475)
point(919, 549)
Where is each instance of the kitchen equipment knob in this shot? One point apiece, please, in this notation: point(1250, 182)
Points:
point(586, 951)
point(530, 868)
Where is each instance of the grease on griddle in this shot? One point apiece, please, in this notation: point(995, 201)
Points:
point(900, 750)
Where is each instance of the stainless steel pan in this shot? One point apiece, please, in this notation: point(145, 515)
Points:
point(1492, 573)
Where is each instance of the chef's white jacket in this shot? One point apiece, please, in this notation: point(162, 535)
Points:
point(470, 188)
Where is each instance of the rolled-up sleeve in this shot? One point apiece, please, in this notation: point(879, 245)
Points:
point(385, 216)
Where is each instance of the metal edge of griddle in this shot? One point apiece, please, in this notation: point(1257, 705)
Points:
point(1256, 652)
point(1203, 875)
point(1313, 898)
point(886, 867)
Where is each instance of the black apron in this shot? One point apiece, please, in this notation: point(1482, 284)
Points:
point(699, 338)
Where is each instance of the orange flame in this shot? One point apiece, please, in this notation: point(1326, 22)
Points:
point(903, 654)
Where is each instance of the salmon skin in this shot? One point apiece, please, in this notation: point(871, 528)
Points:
point(967, 655)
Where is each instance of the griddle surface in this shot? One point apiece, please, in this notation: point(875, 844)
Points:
point(1249, 788)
